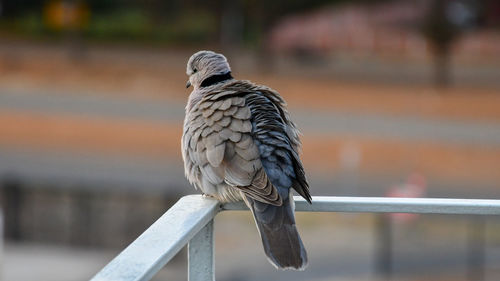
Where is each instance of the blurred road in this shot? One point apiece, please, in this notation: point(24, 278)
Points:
point(135, 141)
point(333, 123)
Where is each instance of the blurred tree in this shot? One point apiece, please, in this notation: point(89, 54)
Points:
point(231, 23)
point(441, 33)
point(446, 21)
point(14, 8)
point(66, 15)
point(70, 18)
point(262, 14)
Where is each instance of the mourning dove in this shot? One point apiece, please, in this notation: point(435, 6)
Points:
point(239, 143)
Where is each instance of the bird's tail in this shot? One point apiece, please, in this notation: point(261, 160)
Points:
point(279, 234)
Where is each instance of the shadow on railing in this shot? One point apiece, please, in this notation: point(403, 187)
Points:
point(190, 221)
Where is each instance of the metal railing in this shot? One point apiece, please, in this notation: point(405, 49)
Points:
point(190, 221)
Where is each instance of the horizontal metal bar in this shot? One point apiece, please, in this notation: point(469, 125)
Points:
point(390, 205)
point(161, 241)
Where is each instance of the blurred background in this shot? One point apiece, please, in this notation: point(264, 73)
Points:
point(394, 98)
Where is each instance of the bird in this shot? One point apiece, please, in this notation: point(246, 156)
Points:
point(240, 144)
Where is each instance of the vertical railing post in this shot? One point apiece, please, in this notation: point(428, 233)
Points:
point(383, 240)
point(201, 265)
point(1, 245)
point(476, 248)
point(13, 198)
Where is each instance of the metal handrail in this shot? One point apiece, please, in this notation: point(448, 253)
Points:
point(190, 221)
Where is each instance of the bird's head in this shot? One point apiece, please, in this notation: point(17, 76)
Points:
point(206, 68)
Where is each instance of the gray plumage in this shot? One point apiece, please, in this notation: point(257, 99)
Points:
point(239, 143)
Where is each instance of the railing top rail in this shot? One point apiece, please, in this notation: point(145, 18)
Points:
point(164, 238)
point(391, 205)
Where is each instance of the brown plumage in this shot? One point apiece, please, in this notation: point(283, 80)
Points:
point(239, 143)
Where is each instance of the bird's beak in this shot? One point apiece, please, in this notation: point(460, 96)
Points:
point(188, 84)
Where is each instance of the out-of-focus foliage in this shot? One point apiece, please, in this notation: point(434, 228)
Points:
point(152, 20)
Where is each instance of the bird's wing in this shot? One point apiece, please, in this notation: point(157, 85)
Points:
point(277, 140)
point(218, 141)
point(244, 138)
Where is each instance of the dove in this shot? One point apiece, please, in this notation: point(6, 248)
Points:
point(239, 143)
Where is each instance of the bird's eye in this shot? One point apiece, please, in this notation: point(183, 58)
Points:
point(195, 70)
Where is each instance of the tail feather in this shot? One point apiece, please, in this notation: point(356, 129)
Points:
point(280, 238)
